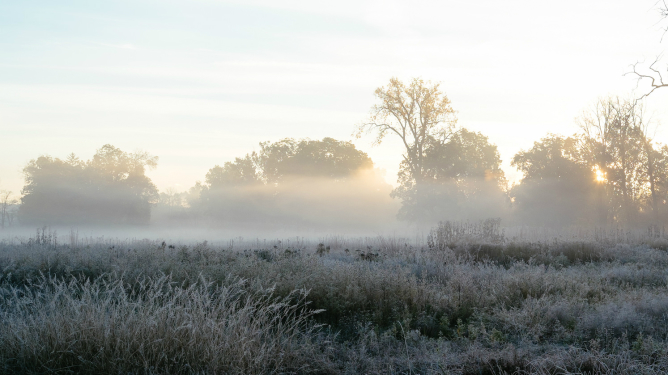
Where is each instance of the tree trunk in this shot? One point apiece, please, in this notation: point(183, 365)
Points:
point(652, 182)
point(623, 136)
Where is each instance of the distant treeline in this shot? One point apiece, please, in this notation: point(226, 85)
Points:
point(111, 188)
point(289, 182)
point(611, 173)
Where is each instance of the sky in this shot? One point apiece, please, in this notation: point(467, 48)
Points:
point(201, 82)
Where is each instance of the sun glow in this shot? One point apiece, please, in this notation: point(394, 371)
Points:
point(600, 175)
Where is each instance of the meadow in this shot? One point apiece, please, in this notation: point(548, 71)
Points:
point(468, 298)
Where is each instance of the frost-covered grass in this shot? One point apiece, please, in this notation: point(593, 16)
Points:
point(371, 305)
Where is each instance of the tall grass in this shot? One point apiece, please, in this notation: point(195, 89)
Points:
point(471, 306)
point(154, 325)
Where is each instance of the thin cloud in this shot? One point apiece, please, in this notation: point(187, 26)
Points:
point(129, 46)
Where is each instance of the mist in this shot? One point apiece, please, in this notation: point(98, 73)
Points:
point(359, 204)
point(609, 175)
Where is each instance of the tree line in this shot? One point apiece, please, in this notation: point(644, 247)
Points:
point(610, 173)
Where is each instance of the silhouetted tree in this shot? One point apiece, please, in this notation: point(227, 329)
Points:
point(611, 173)
point(110, 188)
point(615, 145)
point(420, 115)
point(654, 175)
point(658, 183)
point(462, 178)
point(558, 187)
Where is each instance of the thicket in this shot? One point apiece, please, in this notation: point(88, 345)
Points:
point(335, 305)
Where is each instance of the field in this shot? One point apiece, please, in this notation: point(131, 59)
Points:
point(467, 299)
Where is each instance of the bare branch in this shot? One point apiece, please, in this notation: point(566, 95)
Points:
point(655, 78)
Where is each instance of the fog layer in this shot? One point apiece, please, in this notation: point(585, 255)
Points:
point(611, 174)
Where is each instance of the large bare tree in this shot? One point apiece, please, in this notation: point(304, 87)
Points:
point(417, 113)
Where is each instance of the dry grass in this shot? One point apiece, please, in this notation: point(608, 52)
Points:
point(153, 325)
point(469, 307)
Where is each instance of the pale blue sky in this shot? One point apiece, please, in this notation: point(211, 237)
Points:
point(200, 82)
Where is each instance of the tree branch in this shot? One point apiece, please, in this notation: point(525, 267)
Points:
point(656, 78)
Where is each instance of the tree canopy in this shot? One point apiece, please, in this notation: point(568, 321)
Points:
point(418, 113)
point(328, 158)
point(558, 187)
point(445, 172)
point(296, 182)
point(610, 173)
point(110, 188)
point(462, 178)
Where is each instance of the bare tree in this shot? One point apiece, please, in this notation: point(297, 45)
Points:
point(652, 75)
point(6, 202)
point(614, 144)
point(417, 113)
point(663, 11)
point(172, 198)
